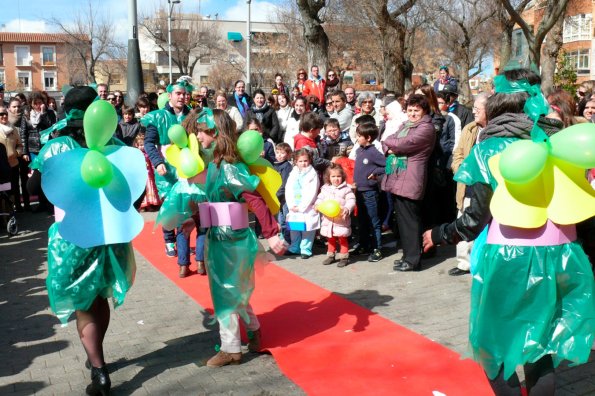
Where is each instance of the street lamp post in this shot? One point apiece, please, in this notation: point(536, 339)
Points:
point(134, 81)
point(248, 40)
point(170, 9)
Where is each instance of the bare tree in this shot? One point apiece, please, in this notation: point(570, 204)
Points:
point(317, 42)
point(551, 50)
point(507, 25)
point(192, 39)
point(552, 11)
point(462, 24)
point(90, 37)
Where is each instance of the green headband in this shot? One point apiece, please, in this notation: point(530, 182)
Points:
point(185, 85)
point(535, 105)
point(206, 117)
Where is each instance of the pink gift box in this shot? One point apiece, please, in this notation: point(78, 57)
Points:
point(232, 214)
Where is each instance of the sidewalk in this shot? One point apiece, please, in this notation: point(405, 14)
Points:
point(159, 340)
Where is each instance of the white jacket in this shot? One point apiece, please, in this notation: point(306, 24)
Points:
point(301, 190)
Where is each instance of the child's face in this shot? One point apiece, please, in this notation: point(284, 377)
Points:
point(127, 117)
point(363, 141)
point(205, 139)
point(332, 132)
point(143, 110)
point(313, 133)
point(336, 177)
point(280, 155)
point(303, 162)
point(252, 126)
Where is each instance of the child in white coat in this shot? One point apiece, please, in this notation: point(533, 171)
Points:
point(337, 228)
point(300, 194)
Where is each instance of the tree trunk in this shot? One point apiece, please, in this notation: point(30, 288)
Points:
point(317, 41)
point(550, 55)
point(465, 96)
point(505, 46)
point(392, 42)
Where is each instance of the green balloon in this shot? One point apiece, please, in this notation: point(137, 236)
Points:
point(96, 170)
point(177, 134)
point(162, 100)
point(575, 144)
point(100, 122)
point(188, 163)
point(250, 145)
point(523, 161)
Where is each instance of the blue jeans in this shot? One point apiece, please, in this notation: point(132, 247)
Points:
point(282, 219)
point(370, 224)
point(201, 235)
point(301, 242)
point(183, 245)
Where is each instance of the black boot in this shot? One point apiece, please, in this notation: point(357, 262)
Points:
point(101, 383)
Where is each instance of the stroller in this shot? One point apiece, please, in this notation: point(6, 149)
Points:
point(7, 211)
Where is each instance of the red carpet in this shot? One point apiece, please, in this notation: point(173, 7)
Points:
point(328, 345)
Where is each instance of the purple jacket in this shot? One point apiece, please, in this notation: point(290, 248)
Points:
point(417, 146)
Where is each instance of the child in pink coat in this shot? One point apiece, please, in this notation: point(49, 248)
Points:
point(337, 228)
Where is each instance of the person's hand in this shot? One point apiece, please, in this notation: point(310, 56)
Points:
point(187, 227)
point(277, 245)
point(344, 213)
point(427, 240)
point(43, 108)
point(161, 169)
point(26, 157)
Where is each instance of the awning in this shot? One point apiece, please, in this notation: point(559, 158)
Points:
point(234, 36)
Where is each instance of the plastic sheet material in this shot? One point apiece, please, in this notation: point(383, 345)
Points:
point(77, 276)
point(527, 302)
point(179, 204)
point(230, 253)
point(53, 148)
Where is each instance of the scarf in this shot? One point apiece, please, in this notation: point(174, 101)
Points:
point(517, 125)
point(241, 104)
point(332, 83)
point(398, 163)
point(444, 81)
point(259, 111)
point(295, 115)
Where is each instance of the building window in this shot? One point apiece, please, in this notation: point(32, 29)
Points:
point(116, 78)
point(2, 78)
point(162, 59)
point(518, 43)
point(49, 80)
point(205, 59)
point(24, 80)
point(204, 80)
point(1, 55)
point(580, 60)
point(48, 56)
point(577, 27)
point(23, 55)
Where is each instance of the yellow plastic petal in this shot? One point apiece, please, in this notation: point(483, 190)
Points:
point(517, 205)
point(270, 182)
point(194, 147)
point(172, 154)
point(573, 199)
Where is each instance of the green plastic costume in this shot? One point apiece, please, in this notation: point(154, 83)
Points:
point(77, 276)
point(230, 253)
point(526, 301)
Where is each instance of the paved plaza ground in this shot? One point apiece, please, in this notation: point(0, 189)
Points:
point(159, 340)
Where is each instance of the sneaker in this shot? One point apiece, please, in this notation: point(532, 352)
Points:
point(306, 256)
point(360, 251)
point(343, 262)
point(375, 256)
point(223, 359)
point(329, 260)
point(170, 250)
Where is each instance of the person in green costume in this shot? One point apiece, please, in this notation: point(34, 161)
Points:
point(231, 251)
point(157, 123)
point(532, 296)
point(81, 279)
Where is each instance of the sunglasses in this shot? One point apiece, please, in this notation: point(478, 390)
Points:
point(118, 96)
point(3, 114)
point(112, 98)
point(329, 103)
point(581, 93)
point(331, 74)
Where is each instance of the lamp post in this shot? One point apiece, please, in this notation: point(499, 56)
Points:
point(248, 40)
point(134, 81)
point(170, 9)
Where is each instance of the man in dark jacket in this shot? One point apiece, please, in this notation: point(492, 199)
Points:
point(464, 113)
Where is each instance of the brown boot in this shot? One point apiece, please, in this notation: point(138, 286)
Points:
point(343, 259)
point(254, 342)
point(183, 271)
point(200, 268)
point(330, 258)
point(223, 358)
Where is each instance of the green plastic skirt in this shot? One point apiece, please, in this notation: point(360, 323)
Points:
point(528, 302)
point(77, 276)
point(230, 260)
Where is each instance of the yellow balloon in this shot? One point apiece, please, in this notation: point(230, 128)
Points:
point(329, 208)
point(270, 182)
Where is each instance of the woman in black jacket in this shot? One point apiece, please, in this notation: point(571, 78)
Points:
point(265, 114)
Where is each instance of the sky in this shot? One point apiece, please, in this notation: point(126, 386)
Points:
point(31, 16)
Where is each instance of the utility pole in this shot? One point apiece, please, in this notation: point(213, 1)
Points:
point(171, 4)
point(248, 40)
point(134, 80)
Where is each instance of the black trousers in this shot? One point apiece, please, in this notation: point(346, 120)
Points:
point(410, 228)
point(24, 176)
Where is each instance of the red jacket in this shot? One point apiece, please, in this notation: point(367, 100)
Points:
point(315, 88)
point(300, 141)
